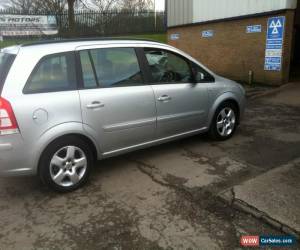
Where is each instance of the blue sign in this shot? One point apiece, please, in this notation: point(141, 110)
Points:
point(276, 28)
point(275, 35)
point(273, 60)
point(174, 37)
point(207, 33)
point(253, 29)
point(277, 241)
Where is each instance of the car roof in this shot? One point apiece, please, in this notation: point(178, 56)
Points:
point(64, 45)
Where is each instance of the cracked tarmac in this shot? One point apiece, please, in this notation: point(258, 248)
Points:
point(164, 197)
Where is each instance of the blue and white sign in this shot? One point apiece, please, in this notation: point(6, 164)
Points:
point(275, 35)
point(207, 33)
point(174, 37)
point(253, 29)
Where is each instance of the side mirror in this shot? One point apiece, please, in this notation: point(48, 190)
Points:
point(200, 77)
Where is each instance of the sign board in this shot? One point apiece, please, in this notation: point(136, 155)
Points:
point(207, 33)
point(253, 29)
point(27, 25)
point(275, 35)
point(174, 37)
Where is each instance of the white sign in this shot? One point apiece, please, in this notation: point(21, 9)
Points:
point(253, 29)
point(273, 52)
point(174, 36)
point(26, 25)
point(207, 33)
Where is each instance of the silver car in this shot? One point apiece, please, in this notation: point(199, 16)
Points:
point(65, 104)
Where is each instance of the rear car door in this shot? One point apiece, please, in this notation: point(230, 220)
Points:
point(181, 102)
point(117, 107)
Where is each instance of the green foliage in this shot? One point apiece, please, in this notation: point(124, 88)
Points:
point(157, 37)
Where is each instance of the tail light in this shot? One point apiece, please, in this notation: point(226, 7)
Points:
point(8, 122)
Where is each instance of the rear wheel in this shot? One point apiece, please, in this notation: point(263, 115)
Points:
point(65, 165)
point(224, 122)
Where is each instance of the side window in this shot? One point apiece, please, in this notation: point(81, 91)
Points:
point(167, 67)
point(113, 67)
point(53, 73)
point(88, 73)
point(201, 75)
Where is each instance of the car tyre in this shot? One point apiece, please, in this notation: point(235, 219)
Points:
point(66, 163)
point(225, 122)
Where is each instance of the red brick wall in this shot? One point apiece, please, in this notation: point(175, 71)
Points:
point(231, 52)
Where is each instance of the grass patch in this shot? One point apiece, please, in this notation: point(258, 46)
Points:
point(156, 37)
point(8, 43)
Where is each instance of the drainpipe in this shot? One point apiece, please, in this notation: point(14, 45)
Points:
point(250, 79)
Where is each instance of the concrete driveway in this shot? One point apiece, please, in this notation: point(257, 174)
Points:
point(159, 198)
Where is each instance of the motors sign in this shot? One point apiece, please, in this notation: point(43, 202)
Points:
point(27, 25)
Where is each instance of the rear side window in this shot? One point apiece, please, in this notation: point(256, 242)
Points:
point(6, 60)
point(53, 73)
point(111, 67)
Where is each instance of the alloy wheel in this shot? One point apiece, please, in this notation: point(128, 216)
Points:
point(68, 166)
point(226, 121)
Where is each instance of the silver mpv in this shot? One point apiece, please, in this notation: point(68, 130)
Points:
point(65, 104)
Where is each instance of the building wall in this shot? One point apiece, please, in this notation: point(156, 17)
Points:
point(207, 10)
point(232, 52)
point(194, 11)
point(180, 12)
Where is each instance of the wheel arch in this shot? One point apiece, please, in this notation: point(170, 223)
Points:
point(225, 97)
point(82, 137)
point(61, 131)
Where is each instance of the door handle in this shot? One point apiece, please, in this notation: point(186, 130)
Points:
point(95, 105)
point(164, 98)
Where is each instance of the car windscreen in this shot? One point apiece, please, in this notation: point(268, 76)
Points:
point(6, 60)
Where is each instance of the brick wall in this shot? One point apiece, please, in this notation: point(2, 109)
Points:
point(231, 52)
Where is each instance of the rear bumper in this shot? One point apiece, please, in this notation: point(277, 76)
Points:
point(15, 156)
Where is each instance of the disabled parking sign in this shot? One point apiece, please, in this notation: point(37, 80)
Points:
point(275, 35)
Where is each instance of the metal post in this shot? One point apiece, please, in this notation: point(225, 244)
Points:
point(250, 80)
point(155, 21)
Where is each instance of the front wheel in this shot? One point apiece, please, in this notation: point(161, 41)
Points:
point(224, 122)
point(65, 165)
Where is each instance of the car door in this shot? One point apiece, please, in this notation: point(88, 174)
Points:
point(117, 107)
point(181, 102)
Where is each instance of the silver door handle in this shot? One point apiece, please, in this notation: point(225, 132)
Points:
point(95, 105)
point(164, 98)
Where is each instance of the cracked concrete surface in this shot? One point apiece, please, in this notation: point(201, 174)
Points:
point(273, 197)
point(158, 198)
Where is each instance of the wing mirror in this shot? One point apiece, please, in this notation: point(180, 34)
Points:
point(200, 77)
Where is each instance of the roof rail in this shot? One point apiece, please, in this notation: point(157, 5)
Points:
point(45, 42)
